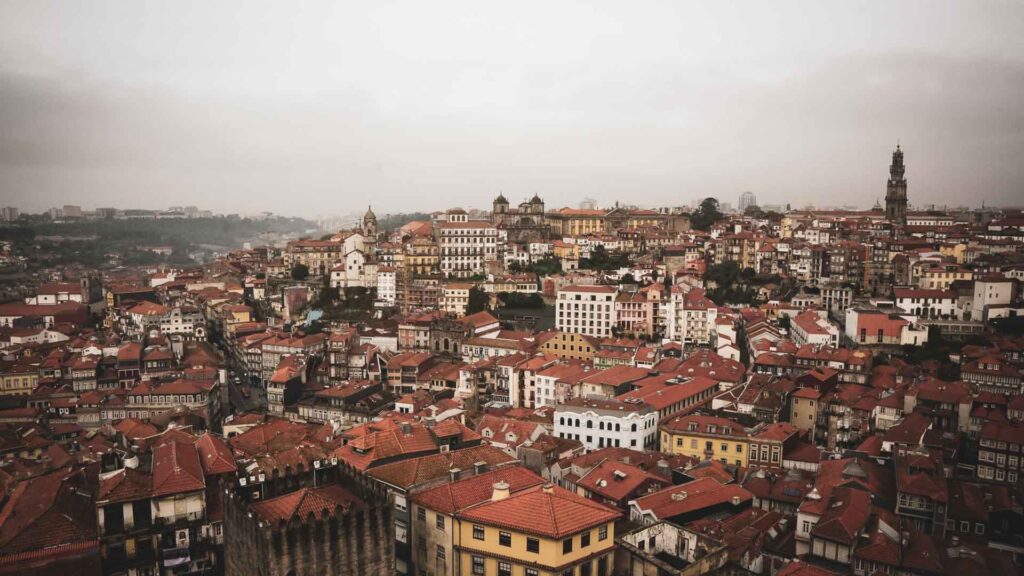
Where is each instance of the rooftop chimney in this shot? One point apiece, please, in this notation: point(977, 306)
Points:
point(548, 488)
point(501, 491)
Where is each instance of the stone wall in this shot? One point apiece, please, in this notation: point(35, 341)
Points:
point(356, 543)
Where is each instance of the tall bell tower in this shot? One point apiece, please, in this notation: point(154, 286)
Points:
point(896, 191)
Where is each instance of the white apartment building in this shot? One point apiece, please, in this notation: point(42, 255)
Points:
point(925, 303)
point(690, 317)
point(811, 327)
point(455, 298)
point(991, 292)
point(588, 310)
point(599, 423)
point(466, 245)
point(387, 285)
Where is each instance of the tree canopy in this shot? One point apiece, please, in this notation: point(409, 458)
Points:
point(706, 215)
point(479, 301)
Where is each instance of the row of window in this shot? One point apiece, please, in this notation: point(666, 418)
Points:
point(563, 421)
point(709, 445)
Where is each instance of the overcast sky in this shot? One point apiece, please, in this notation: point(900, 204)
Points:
point(319, 108)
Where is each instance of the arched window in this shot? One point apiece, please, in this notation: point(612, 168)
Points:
point(634, 426)
point(590, 423)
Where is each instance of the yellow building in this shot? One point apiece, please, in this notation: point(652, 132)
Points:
point(955, 250)
point(706, 438)
point(940, 277)
point(803, 410)
point(509, 522)
point(435, 511)
point(565, 250)
point(568, 345)
point(19, 379)
point(576, 222)
point(540, 531)
point(422, 257)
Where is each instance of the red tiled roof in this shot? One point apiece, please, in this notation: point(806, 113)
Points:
point(416, 471)
point(176, 469)
point(692, 496)
point(549, 511)
point(124, 485)
point(47, 511)
point(617, 481)
point(452, 497)
point(722, 426)
point(589, 289)
point(319, 502)
point(846, 517)
point(214, 455)
point(801, 568)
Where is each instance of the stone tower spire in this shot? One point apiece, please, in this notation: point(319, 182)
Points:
point(896, 191)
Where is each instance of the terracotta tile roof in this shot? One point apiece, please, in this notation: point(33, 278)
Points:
point(418, 471)
point(124, 485)
point(847, 516)
point(176, 469)
point(214, 455)
point(406, 440)
point(779, 431)
point(47, 511)
point(589, 289)
point(549, 511)
point(690, 497)
point(479, 319)
point(298, 505)
point(456, 496)
point(135, 429)
point(704, 425)
point(617, 481)
point(616, 376)
point(801, 568)
point(808, 394)
point(1009, 432)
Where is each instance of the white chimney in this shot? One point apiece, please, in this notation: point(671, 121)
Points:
point(501, 491)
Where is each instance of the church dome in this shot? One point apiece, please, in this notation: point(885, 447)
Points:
point(369, 214)
point(501, 199)
point(536, 200)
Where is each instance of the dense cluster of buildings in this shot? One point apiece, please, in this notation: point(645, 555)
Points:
point(528, 392)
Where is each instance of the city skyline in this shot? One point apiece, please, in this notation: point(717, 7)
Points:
point(316, 109)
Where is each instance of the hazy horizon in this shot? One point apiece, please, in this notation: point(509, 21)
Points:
point(321, 108)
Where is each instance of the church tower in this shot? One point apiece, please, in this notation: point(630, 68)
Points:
point(896, 191)
point(370, 224)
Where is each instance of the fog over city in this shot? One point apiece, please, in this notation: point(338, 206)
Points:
point(318, 108)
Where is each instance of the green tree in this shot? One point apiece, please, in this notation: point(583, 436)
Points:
point(706, 215)
point(754, 211)
point(300, 272)
point(519, 300)
point(478, 301)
